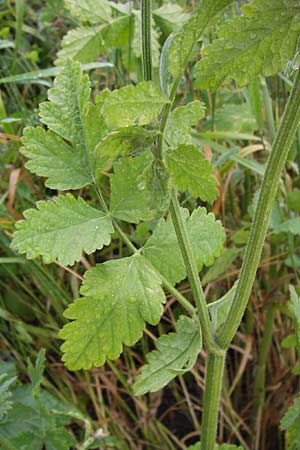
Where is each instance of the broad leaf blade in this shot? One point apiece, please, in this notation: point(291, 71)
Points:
point(192, 171)
point(259, 42)
point(176, 353)
point(207, 237)
point(90, 10)
point(292, 414)
point(133, 105)
point(130, 200)
point(119, 297)
point(60, 229)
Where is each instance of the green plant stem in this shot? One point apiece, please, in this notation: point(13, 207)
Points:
point(192, 272)
point(146, 39)
point(282, 144)
point(212, 393)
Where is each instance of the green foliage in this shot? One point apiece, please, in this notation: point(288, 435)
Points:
point(259, 42)
point(291, 226)
point(5, 394)
point(180, 121)
point(133, 105)
point(183, 42)
point(294, 307)
point(192, 171)
point(293, 200)
point(119, 297)
point(36, 371)
point(89, 10)
point(60, 229)
point(207, 237)
point(217, 447)
point(176, 354)
point(219, 309)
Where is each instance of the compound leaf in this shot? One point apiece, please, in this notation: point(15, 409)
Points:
point(207, 237)
point(181, 119)
point(133, 105)
point(259, 42)
point(130, 200)
point(70, 117)
point(176, 353)
point(5, 394)
point(184, 41)
point(119, 297)
point(192, 171)
point(60, 229)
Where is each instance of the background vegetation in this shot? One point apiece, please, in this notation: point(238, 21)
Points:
point(96, 408)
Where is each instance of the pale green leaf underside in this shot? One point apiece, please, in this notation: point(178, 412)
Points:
point(289, 226)
point(260, 42)
point(130, 199)
point(176, 353)
point(207, 237)
point(90, 10)
point(119, 297)
point(192, 171)
point(184, 41)
point(219, 309)
point(133, 105)
point(180, 121)
point(61, 229)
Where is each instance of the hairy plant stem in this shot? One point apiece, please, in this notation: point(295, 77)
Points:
point(212, 393)
point(146, 12)
point(282, 144)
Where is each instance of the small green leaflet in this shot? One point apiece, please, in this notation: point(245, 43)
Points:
point(119, 297)
point(133, 105)
point(259, 42)
point(184, 41)
point(60, 229)
point(217, 447)
point(192, 171)
point(207, 237)
point(90, 10)
point(219, 309)
point(170, 17)
point(292, 414)
point(130, 141)
point(221, 265)
point(180, 121)
point(130, 200)
point(85, 44)
point(36, 371)
point(70, 117)
point(59, 439)
point(176, 353)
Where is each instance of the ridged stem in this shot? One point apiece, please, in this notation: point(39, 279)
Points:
point(282, 144)
point(146, 8)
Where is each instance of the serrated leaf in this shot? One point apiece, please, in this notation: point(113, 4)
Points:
point(181, 119)
point(259, 42)
point(60, 229)
point(156, 180)
point(133, 105)
point(192, 171)
point(5, 394)
point(120, 296)
point(85, 44)
point(219, 309)
point(207, 237)
point(130, 140)
point(292, 414)
point(130, 200)
point(90, 10)
point(50, 156)
point(184, 41)
point(175, 353)
point(70, 117)
point(59, 439)
point(291, 226)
